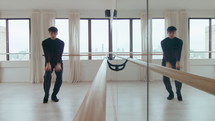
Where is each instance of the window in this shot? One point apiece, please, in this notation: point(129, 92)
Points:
point(84, 38)
point(199, 38)
point(3, 40)
point(95, 33)
point(100, 39)
point(121, 36)
point(213, 38)
point(18, 39)
point(14, 39)
point(158, 34)
point(63, 34)
point(136, 36)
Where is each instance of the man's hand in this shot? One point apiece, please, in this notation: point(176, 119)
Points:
point(178, 66)
point(48, 67)
point(58, 67)
point(168, 64)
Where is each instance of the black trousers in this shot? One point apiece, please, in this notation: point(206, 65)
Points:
point(167, 82)
point(47, 80)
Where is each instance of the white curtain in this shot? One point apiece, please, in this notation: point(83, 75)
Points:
point(144, 41)
point(171, 19)
point(40, 22)
point(36, 64)
point(179, 19)
point(183, 34)
point(74, 47)
point(48, 20)
point(144, 35)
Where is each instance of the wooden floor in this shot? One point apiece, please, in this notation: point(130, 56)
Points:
point(23, 102)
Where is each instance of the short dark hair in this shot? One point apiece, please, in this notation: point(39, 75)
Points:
point(53, 29)
point(171, 29)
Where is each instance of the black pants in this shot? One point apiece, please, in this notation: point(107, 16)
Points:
point(167, 82)
point(47, 80)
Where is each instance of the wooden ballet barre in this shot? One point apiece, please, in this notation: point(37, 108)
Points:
point(93, 107)
point(107, 54)
point(84, 55)
point(199, 82)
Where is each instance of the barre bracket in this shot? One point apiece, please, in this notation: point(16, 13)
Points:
point(116, 67)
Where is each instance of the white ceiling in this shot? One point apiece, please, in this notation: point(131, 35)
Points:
point(104, 4)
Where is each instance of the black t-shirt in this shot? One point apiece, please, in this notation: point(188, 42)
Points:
point(53, 50)
point(171, 49)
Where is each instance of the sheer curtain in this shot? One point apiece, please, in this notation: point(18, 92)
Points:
point(171, 19)
point(74, 47)
point(40, 22)
point(144, 41)
point(36, 64)
point(183, 34)
point(48, 21)
point(179, 19)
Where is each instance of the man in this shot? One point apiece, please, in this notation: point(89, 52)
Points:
point(172, 47)
point(53, 50)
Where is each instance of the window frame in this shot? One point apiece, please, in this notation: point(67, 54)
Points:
point(130, 32)
point(110, 46)
point(68, 28)
point(7, 38)
point(165, 34)
point(209, 52)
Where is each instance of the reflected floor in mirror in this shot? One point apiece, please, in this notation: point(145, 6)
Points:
point(126, 101)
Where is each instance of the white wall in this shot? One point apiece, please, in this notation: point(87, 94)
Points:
point(203, 67)
point(19, 71)
point(14, 71)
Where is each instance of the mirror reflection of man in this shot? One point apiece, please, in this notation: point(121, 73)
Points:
point(172, 47)
point(53, 50)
